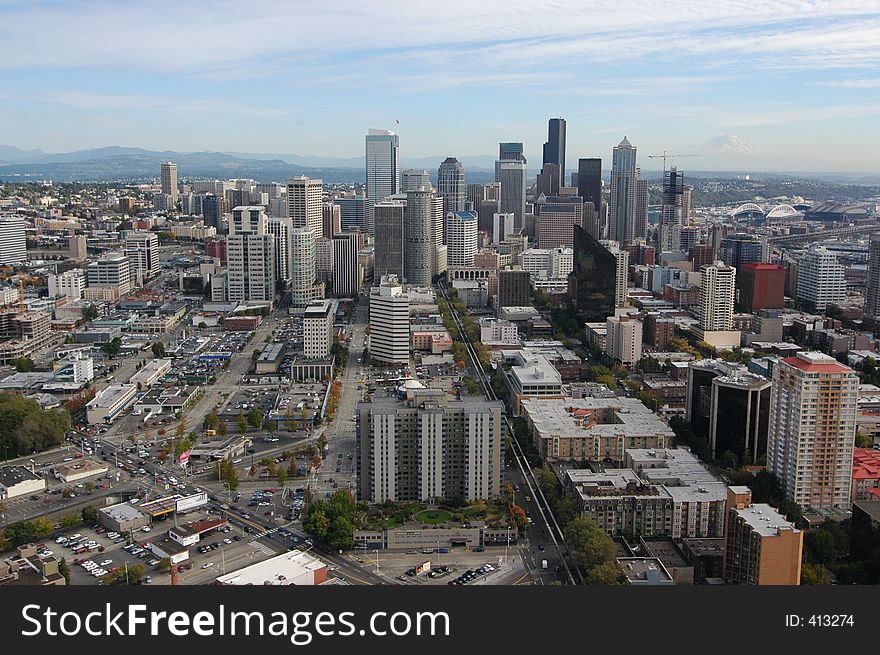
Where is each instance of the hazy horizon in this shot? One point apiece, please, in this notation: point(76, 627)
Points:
point(795, 81)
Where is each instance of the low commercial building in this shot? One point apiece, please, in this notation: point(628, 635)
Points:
point(151, 373)
point(110, 403)
point(408, 537)
point(762, 547)
point(303, 369)
point(533, 378)
point(192, 532)
point(270, 359)
point(122, 518)
point(19, 481)
point(292, 568)
point(433, 341)
point(167, 400)
point(234, 446)
point(28, 568)
point(79, 469)
point(645, 571)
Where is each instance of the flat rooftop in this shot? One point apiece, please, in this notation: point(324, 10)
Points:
point(604, 416)
point(681, 472)
point(275, 570)
point(111, 395)
point(763, 519)
point(13, 475)
point(122, 512)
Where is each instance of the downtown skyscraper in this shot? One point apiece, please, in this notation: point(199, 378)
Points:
point(554, 148)
point(450, 185)
point(305, 204)
point(383, 169)
point(622, 203)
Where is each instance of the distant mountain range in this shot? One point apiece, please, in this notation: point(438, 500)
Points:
point(727, 153)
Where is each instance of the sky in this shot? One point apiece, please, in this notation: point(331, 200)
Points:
point(799, 80)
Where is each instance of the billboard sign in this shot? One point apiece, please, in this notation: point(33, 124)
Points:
point(191, 502)
point(423, 568)
point(184, 458)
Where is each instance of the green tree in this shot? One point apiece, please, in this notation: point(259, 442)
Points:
point(864, 440)
point(112, 347)
point(89, 514)
point(69, 520)
point(317, 523)
point(607, 573)
point(341, 534)
point(281, 474)
point(42, 526)
point(588, 544)
point(118, 577)
point(815, 574)
point(164, 565)
point(90, 313)
point(24, 365)
point(211, 420)
point(158, 349)
point(255, 418)
point(242, 422)
point(222, 429)
point(64, 570)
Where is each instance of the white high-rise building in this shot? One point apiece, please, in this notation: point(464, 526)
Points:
point(717, 289)
point(250, 252)
point(142, 250)
point(383, 169)
point(280, 229)
point(820, 280)
point(502, 227)
point(305, 204)
point(303, 286)
point(812, 430)
point(623, 341)
point(318, 329)
point(69, 283)
point(111, 270)
point(461, 238)
point(13, 244)
point(169, 180)
point(621, 270)
point(548, 262)
point(389, 322)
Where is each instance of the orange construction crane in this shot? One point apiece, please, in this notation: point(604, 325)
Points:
point(20, 295)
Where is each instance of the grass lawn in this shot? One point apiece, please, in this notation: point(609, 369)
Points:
point(433, 516)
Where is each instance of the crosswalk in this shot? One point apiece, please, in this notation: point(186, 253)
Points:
point(263, 548)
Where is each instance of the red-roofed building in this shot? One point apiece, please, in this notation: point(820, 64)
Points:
point(761, 286)
point(812, 430)
point(866, 474)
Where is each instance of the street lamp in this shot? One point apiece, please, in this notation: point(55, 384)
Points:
point(377, 561)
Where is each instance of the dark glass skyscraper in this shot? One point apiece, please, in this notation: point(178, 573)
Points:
point(554, 149)
point(589, 181)
point(592, 284)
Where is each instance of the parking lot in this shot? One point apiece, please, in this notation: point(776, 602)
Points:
point(485, 567)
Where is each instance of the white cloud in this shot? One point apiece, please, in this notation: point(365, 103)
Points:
point(851, 84)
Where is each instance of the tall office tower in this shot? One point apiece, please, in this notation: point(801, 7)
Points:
point(813, 430)
point(717, 291)
point(280, 229)
point(502, 227)
point(475, 194)
point(554, 148)
point(508, 152)
point(549, 182)
point(169, 180)
point(213, 208)
point(324, 260)
point(640, 211)
point(13, 243)
point(621, 205)
point(760, 286)
point(238, 197)
point(305, 204)
point(513, 191)
point(687, 205)
point(413, 178)
point(353, 213)
point(389, 322)
point(487, 210)
point(872, 295)
point(670, 210)
point(390, 217)
point(304, 287)
point(761, 547)
point(555, 224)
point(76, 245)
point(623, 340)
point(492, 191)
point(820, 280)
point(450, 185)
point(318, 329)
point(514, 289)
point(346, 281)
point(251, 255)
point(739, 249)
point(589, 181)
point(111, 270)
point(383, 169)
point(419, 247)
point(142, 250)
point(621, 271)
point(461, 238)
point(593, 285)
point(332, 219)
point(428, 447)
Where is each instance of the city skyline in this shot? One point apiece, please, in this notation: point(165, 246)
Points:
point(766, 74)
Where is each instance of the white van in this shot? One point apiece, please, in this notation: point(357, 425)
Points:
point(544, 564)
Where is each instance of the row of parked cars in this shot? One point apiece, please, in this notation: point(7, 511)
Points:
point(472, 574)
point(95, 569)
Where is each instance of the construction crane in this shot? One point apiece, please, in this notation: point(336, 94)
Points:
point(20, 295)
point(664, 157)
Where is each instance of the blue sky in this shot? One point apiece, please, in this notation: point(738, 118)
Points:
point(797, 79)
